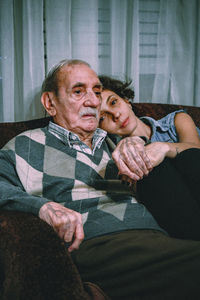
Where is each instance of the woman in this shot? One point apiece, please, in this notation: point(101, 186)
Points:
point(174, 141)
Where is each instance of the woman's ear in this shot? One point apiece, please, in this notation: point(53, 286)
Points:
point(47, 100)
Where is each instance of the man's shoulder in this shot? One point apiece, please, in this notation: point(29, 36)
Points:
point(38, 135)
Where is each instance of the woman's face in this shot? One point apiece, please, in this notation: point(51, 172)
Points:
point(116, 115)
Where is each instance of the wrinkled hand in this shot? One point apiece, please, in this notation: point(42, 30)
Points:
point(66, 222)
point(131, 158)
point(156, 152)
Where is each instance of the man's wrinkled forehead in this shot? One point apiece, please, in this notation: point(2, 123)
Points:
point(73, 74)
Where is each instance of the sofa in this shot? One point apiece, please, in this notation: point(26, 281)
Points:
point(34, 262)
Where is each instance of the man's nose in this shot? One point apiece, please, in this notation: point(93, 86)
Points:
point(92, 99)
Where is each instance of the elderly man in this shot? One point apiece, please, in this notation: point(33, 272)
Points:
point(66, 175)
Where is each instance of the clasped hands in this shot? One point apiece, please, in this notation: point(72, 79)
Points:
point(134, 161)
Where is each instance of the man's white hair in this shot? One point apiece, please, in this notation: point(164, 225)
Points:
point(50, 83)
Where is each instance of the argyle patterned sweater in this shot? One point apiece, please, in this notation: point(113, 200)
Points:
point(37, 167)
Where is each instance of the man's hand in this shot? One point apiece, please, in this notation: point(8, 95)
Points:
point(66, 222)
point(131, 158)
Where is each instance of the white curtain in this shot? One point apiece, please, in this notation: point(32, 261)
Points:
point(177, 66)
point(7, 58)
point(71, 31)
point(22, 58)
point(156, 43)
point(125, 41)
point(57, 31)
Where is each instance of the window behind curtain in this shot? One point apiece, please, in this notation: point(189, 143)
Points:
point(148, 12)
point(148, 16)
point(148, 32)
point(1, 94)
point(104, 37)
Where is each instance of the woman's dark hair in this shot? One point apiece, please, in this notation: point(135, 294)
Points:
point(120, 88)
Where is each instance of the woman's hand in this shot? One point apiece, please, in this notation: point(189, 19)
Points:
point(66, 222)
point(157, 151)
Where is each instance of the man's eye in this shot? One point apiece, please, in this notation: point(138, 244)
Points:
point(97, 93)
point(78, 91)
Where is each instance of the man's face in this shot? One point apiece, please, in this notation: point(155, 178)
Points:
point(78, 103)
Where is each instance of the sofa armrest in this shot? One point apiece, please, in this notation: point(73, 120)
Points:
point(34, 262)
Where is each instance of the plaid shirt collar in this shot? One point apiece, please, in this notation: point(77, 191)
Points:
point(73, 141)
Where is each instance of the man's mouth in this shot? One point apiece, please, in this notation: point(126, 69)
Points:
point(124, 123)
point(88, 116)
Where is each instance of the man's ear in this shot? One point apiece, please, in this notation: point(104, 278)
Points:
point(47, 100)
